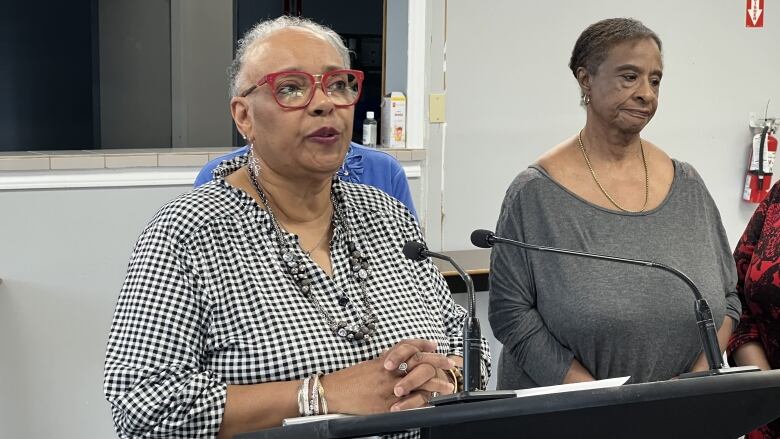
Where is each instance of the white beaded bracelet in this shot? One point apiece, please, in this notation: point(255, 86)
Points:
point(305, 391)
point(315, 394)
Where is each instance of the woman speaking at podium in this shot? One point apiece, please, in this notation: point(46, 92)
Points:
point(277, 290)
point(607, 190)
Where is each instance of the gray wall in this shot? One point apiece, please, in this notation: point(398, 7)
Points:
point(201, 51)
point(163, 67)
point(63, 259)
point(135, 73)
point(397, 21)
point(510, 95)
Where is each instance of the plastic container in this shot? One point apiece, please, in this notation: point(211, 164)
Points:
point(369, 130)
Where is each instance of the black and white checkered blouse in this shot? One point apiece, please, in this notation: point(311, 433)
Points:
point(207, 303)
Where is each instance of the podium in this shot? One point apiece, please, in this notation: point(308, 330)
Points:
point(725, 406)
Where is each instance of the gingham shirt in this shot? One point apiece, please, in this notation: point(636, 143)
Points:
point(207, 303)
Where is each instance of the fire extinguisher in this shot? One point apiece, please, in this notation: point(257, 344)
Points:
point(762, 160)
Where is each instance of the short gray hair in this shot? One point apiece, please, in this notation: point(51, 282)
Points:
point(264, 29)
point(599, 38)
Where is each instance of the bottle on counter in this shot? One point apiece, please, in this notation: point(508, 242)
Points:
point(369, 130)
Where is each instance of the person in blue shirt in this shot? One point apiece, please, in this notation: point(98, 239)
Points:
point(361, 165)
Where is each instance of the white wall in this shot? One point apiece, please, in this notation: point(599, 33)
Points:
point(510, 95)
point(63, 256)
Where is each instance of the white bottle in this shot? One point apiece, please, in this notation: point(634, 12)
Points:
point(369, 130)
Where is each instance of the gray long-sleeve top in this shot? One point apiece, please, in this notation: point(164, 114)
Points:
point(616, 319)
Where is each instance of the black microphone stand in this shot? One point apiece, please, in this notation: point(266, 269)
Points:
point(472, 337)
point(707, 331)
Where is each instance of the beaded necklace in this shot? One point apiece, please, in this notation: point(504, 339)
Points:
point(292, 260)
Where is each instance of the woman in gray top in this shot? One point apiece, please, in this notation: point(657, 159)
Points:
point(605, 190)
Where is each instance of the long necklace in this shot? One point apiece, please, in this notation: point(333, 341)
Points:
point(296, 268)
point(604, 191)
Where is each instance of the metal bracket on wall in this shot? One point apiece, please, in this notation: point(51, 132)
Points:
point(758, 123)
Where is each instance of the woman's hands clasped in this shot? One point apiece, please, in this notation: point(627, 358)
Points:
point(403, 377)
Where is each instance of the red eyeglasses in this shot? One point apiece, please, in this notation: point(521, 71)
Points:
point(296, 89)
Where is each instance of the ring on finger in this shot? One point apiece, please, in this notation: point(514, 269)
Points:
point(433, 395)
point(403, 368)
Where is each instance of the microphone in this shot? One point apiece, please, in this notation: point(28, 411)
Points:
point(707, 332)
point(472, 337)
point(472, 333)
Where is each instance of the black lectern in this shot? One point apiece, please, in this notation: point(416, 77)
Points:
point(725, 406)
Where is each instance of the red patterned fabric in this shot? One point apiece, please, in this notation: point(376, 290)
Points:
point(758, 266)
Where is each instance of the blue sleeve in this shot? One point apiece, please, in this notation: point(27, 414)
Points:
point(204, 176)
point(401, 190)
point(206, 173)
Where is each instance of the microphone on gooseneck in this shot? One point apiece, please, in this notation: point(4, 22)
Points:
point(707, 332)
point(472, 333)
point(472, 338)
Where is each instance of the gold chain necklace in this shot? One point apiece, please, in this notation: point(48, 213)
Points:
point(604, 191)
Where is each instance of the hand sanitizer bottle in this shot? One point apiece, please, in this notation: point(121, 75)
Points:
point(369, 130)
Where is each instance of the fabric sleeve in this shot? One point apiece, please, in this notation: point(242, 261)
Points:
point(205, 175)
point(513, 314)
point(747, 330)
point(154, 379)
point(401, 190)
point(727, 270)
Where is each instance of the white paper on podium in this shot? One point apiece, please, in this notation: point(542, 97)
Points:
point(600, 384)
point(305, 419)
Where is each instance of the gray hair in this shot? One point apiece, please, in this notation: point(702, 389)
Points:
point(264, 29)
point(599, 38)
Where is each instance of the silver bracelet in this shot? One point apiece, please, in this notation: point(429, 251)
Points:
point(315, 395)
point(323, 401)
point(301, 401)
point(305, 391)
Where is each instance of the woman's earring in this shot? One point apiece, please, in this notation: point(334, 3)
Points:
point(253, 160)
point(585, 100)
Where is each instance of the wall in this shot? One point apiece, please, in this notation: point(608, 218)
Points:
point(397, 27)
point(63, 259)
point(510, 96)
point(135, 73)
point(201, 51)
